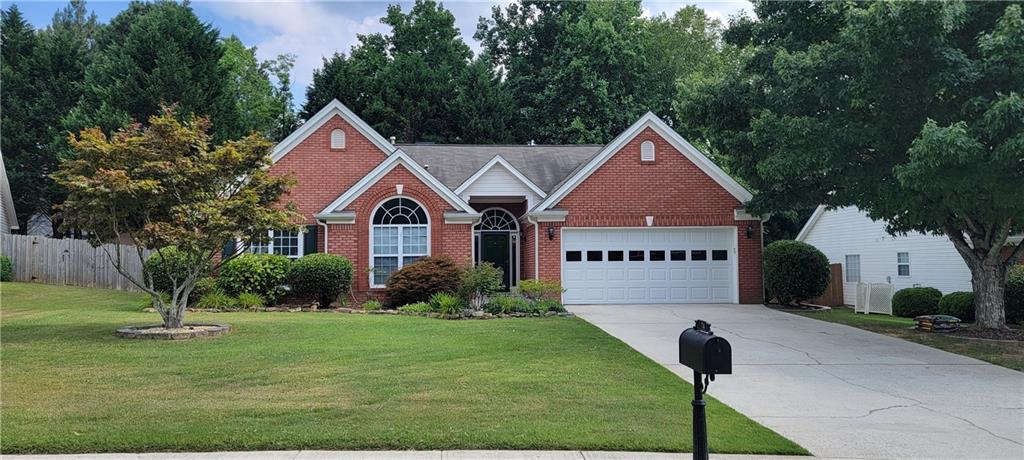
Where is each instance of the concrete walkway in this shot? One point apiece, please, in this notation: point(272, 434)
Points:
point(397, 455)
point(839, 391)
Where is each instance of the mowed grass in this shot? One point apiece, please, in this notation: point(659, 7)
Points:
point(1006, 354)
point(333, 381)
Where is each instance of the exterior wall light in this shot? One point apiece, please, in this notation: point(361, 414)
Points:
point(750, 231)
point(551, 231)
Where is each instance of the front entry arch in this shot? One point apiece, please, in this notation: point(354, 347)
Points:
point(496, 240)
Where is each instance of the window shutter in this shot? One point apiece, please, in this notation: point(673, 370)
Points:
point(228, 251)
point(309, 239)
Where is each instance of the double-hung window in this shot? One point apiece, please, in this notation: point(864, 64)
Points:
point(279, 242)
point(400, 235)
point(902, 264)
point(852, 268)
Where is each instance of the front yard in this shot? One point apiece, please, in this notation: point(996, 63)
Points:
point(1006, 354)
point(334, 381)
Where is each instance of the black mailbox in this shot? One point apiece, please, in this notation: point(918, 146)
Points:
point(703, 351)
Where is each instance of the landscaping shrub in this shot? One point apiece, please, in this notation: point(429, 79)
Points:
point(959, 304)
point(911, 302)
point(545, 305)
point(445, 303)
point(794, 271)
point(480, 282)
point(372, 305)
point(323, 276)
point(204, 286)
point(418, 281)
point(6, 269)
point(540, 289)
point(217, 300)
point(1015, 295)
point(261, 274)
point(507, 304)
point(251, 301)
point(170, 262)
point(418, 307)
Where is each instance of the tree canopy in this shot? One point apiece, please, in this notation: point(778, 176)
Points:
point(910, 111)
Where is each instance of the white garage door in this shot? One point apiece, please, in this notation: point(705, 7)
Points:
point(649, 265)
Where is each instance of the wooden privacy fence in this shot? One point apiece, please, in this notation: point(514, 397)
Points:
point(39, 259)
point(833, 295)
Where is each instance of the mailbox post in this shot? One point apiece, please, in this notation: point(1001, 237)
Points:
point(707, 355)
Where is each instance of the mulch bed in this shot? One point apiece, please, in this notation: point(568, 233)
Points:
point(1008, 335)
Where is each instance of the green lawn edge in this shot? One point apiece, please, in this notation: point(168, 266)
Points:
point(325, 381)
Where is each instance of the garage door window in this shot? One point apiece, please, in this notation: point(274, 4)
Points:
point(594, 256)
point(615, 256)
point(636, 256)
point(657, 256)
point(678, 255)
point(720, 254)
point(573, 256)
point(699, 255)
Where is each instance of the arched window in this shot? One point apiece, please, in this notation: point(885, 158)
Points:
point(647, 151)
point(497, 220)
point(337, 139)
point(400, 235)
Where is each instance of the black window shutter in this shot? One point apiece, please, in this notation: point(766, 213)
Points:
point(309, 239)
point(229, 250)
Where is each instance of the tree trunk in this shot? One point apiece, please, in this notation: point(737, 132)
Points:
point(175, 317)
point(989, 281)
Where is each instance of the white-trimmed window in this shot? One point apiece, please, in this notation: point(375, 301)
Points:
point(337, 139)
point(279, 242)
point(902, 264)
point(852, 268)
point(647, 151)
point(400, 235)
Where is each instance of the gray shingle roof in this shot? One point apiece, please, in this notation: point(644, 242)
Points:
point(545, 165)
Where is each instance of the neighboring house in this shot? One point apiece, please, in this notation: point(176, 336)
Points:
point(8, 219)
point(644, 219)
point(869, 254)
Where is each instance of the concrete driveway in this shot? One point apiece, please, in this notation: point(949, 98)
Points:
point(837, 390)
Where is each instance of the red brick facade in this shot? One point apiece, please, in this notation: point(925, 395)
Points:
point(618, 194)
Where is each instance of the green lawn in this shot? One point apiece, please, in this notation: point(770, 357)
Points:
point(334, 381)
point(1010, 355)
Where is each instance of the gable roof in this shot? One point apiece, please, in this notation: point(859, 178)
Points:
point(815, 216)
point(649, 120)
point(398, 157)
point(544, 165)
point(499, 161)
point(332, 109)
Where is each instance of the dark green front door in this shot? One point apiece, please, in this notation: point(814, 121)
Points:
point(495, 249)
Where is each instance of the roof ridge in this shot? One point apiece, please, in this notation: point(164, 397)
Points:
point(498, 145)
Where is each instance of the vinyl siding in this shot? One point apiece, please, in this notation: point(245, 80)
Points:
point(498, 181)
point(4, 227)
point(934, 261)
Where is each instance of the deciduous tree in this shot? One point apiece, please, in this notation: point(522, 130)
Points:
point(165, 184)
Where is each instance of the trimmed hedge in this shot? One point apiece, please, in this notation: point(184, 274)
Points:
point(260, 274)
point(1015, 295)
point(794, 271)
point(418, 281)
point(959, 304)
point(323, 276)
point(169, 262)
point(911, 302)
point(6, 269)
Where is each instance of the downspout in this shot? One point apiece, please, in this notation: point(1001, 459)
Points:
point(324, 225)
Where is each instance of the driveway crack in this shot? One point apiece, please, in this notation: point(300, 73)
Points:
point(812, 358)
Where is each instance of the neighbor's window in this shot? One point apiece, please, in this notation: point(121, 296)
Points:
point(337, 139)
point(852, 268)
point(400, 232)
point(647, 151)
point(279, 242)
point(903, 263)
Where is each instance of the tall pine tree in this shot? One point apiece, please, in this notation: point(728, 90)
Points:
point(19, 142)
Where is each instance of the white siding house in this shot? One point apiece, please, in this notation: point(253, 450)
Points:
point(8, 219)
point(849, 237)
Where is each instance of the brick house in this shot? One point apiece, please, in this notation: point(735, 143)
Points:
point(645, 218)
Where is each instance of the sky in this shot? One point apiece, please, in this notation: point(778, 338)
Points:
point(312, 30)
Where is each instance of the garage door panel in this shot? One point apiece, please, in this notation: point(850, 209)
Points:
point(648, 265)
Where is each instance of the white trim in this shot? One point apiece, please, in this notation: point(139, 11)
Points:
point(498, 160)
point(818, 212)
point(299, 239)
point(649, 120)
point(498, 208)
point(397, 158)
point(460, 217)
point(5, 194)
point(344, 217)
point(513, 235)
point(400, 256)
point(332, 109)
point(742, 214)
point(553, 215)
